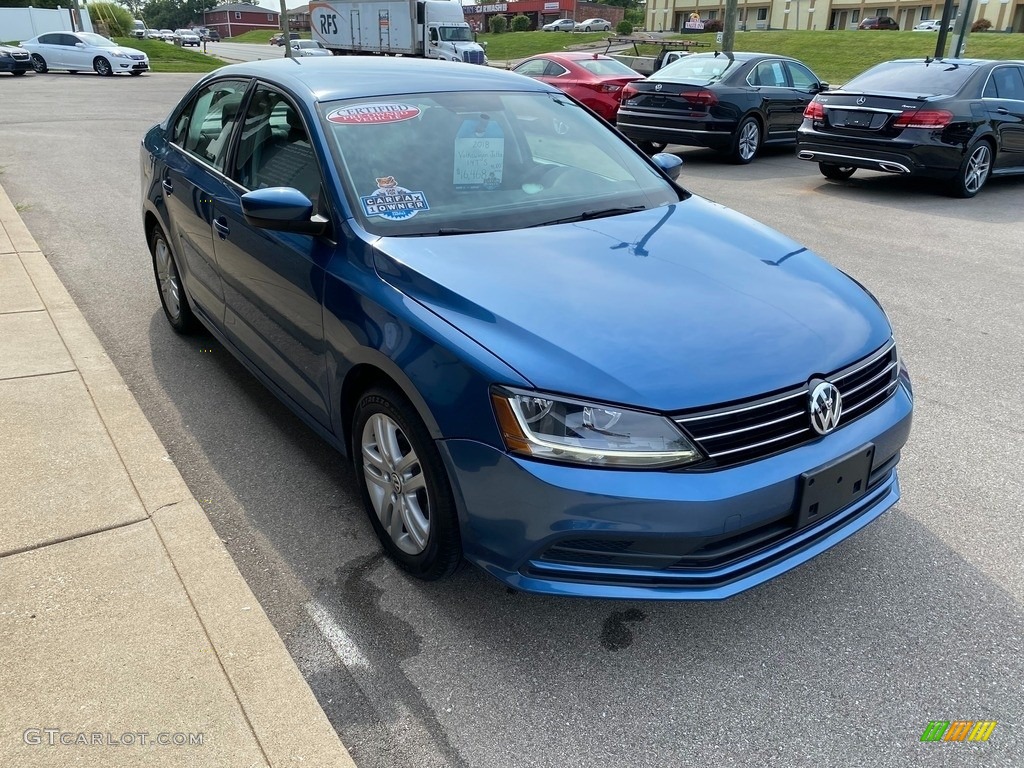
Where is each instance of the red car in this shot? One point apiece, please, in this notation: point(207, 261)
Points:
point(590, 78)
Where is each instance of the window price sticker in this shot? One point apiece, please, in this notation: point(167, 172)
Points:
point(479, 155)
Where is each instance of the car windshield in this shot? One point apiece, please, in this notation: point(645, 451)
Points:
point(470, 161)
point(456, 34)
point(96, 40)
point(938, 78)
point(606, 67)
point(305, 44)
point(696, 70)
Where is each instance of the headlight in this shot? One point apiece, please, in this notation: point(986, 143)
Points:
point(578, 432)
point(5, 55)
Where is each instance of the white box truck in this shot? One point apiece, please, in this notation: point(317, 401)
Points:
point(432, 29)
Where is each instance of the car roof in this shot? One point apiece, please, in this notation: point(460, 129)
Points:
point(350, 77)
point(741, 55)
point(958, 62)
point(572, 56)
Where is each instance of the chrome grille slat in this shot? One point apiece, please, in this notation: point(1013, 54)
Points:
point(756, 429)
point(761, 444)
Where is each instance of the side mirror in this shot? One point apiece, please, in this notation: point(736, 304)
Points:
point(283, 209)
point(671, 164)
point(79, 45)
point(822, 86)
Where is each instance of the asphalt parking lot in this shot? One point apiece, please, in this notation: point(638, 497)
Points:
point(842, 662)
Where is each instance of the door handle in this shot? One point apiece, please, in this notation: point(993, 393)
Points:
point(221, 225)
point(1003, 111)
point(168, 187)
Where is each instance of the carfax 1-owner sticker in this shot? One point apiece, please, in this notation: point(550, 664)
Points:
point(393, 202)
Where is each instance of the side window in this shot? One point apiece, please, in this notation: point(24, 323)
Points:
point(204, 128)
point(533, 68)
point(1007, 84)
point(802, 77)
point(275, 150)
point(49, 39)
point(768, 73)
point(554, 70)
point(68, 40)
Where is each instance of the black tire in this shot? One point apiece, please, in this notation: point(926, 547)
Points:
point(651, 147)
point(836, 172)
point(19, 73)
point(39, 64)
point(974, 171)
point(168, 282)
point(72, 71)
point(747, 141)
point(586, 29)
point(102, 67)
point(441, 554)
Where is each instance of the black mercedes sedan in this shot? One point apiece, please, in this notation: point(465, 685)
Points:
point(959, 120)
point(734, 103)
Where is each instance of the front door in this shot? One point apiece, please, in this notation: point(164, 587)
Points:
point(274, 281)
point(782, 103)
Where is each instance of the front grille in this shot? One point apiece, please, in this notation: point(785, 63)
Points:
point(473, 57)
point(21, 56)
point(752, 430)
point(137, 56)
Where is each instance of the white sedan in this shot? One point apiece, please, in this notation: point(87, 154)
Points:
point(931, 25)
point(562, 25)
point(593, 25)
point(309, 48)
point(82, 51)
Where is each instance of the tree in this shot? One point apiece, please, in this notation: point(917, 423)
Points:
point(114, 17)
point(174, 14)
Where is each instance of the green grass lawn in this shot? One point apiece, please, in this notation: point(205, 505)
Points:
point(164, 57)
point(260, 36)
point(519, 45)
point(838, 56)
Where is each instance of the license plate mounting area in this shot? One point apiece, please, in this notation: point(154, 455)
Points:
point(827, 489)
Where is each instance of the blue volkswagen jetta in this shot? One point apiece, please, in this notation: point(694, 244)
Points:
point(541, 354)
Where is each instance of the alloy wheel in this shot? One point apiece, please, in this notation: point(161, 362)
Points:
point(978, 166)
point(167, 277)
point(750, 137)
point(396, 484)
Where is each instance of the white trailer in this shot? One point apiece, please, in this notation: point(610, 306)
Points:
point(432, 29)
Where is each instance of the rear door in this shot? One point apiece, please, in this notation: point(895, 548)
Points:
point(52, 51)
point(1003, 97)
point(193, 177)
point(780, 101)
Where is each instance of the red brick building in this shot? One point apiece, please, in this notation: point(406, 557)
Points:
point(236, 18)
point(540, 12)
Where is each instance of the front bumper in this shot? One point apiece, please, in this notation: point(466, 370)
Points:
point(662, 535)
point(131, 65)
point(8, 64)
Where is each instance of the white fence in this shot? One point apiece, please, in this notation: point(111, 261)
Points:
point(24, 23)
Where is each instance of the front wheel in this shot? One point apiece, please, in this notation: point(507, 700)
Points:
point(102, 67)
point(974, 170)
point(747, 141)
point(38, 63)
point(404, 485)
point(836, 172)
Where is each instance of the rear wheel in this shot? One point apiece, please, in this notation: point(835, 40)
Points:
point(836, 172)
point(102, 67)
point(404, 485)
point(651, 147)
point(38, 63)
point(974, 170)
point(747, 141)
point(168, 282)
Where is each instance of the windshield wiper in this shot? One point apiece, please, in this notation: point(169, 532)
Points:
point(588, 215)
point(449, 231)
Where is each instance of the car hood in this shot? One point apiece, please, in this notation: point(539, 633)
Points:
point(12, 49)
point(676, 307)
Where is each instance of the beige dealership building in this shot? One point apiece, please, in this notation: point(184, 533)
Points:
point(663, 15)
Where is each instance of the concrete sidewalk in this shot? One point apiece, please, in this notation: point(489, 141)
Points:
point(127, 635)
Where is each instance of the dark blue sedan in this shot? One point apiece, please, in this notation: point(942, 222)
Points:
point(540, 353)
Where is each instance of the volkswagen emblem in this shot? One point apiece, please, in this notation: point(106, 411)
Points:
point(657, 87)
point(826, 407)
point(862, 99)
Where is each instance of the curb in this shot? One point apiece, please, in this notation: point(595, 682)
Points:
point(275, 699)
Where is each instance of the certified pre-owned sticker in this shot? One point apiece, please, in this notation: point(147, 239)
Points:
point(374, 114)
point(393, 202)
